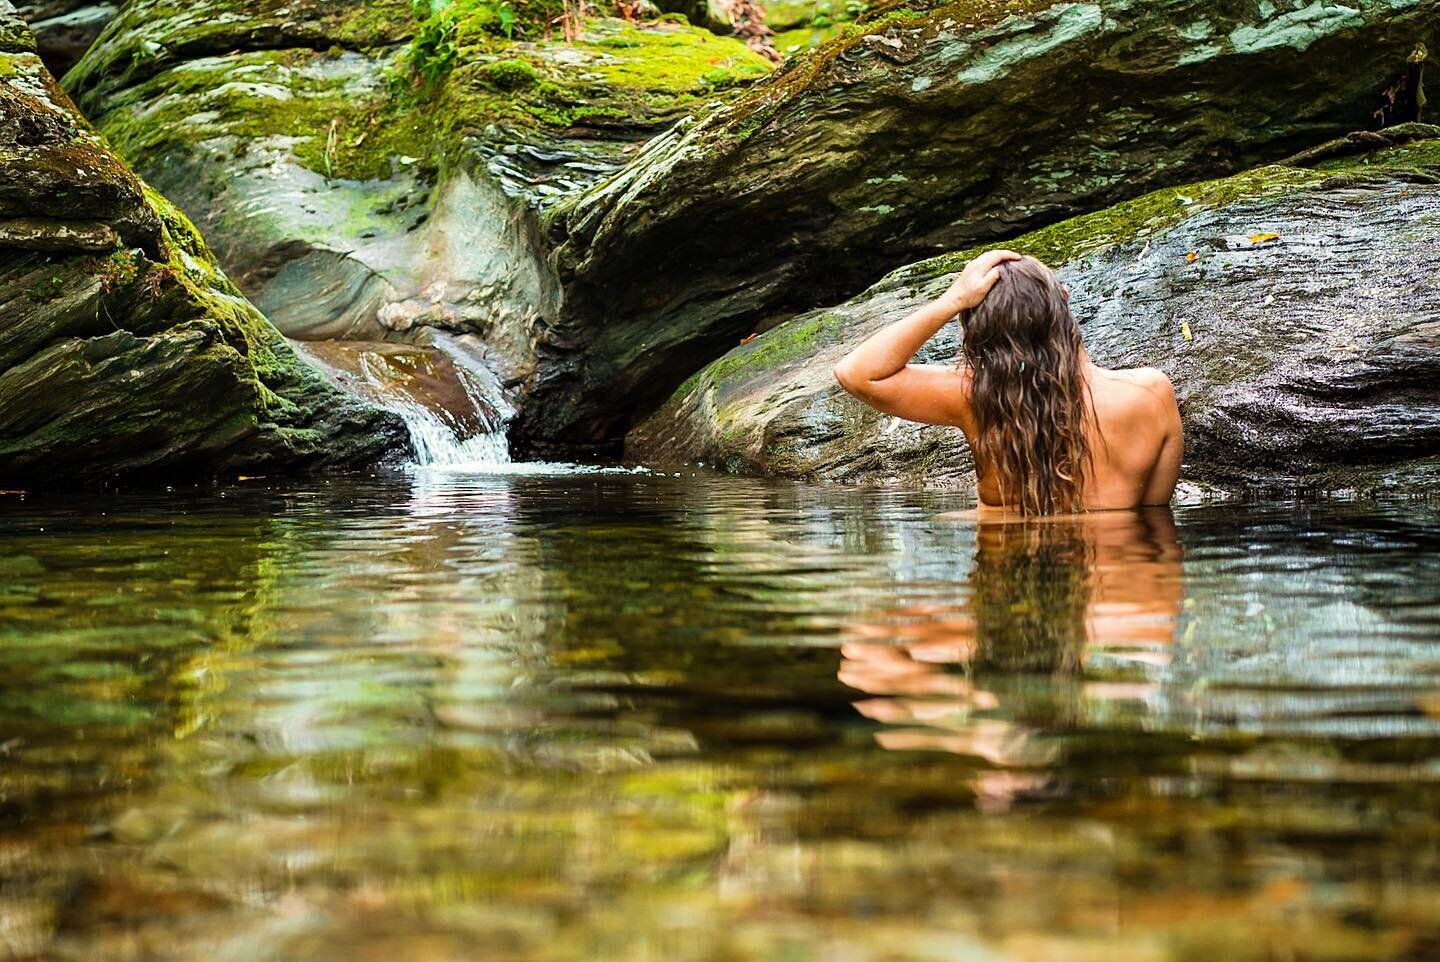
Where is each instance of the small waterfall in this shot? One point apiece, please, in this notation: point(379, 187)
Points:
point(437, 445)
point(450, 401)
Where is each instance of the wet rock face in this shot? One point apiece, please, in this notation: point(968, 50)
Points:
point(918, 135)
point(1314, 358)
point(351, 197)
point(123, 348)
point(533, 193)
point(65, 29)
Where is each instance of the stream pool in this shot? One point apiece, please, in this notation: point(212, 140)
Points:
point(637, 717)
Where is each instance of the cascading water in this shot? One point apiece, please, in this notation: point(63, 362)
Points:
point(451, 403)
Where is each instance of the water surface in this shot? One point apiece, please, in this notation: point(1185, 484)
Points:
point(642, 717)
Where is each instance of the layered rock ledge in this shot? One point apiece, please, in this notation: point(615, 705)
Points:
point(934, 130)
point(377, 171)
point(366, 173)
point(1306, 359)
point(124, 349)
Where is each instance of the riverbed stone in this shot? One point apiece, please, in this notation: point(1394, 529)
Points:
point(124, 349)
point(1309, 359)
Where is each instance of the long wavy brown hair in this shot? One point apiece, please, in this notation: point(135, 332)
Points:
point(1029, 393)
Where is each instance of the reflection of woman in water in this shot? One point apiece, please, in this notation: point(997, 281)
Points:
point(1045, 597)
point(1050, 431)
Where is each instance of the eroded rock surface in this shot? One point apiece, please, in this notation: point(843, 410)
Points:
point(65, 29)
point(365, 172)
point(371, 172)
point(918, 134)
point(123, 347)
point(1309, 360)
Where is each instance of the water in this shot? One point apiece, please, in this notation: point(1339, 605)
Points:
point(451, 402)
point(458, 716)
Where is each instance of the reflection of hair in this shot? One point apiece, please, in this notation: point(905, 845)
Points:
point(1029, 393)
point(1032, 588)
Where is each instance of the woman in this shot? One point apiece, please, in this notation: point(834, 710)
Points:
point(1051, 432)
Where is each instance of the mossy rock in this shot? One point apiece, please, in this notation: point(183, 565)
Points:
point(1306, 362)
point(374, 184)
point(355, 99)
point(930, 128)
point(124, 349)
point(65, 29)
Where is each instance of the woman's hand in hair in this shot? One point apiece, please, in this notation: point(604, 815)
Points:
point(976, 280)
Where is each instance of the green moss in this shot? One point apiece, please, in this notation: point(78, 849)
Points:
point(190, 276)
point(1132, 219)
point(15, 37)
point(343, 124)
point(511, 74)
point(338, 132)
point(787, 342)
point(12, 64)
point(798, 40)
point(120, 269)
point(48, 289)
point(1421, 155)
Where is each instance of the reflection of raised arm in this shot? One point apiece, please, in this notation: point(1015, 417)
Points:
point(879, 371)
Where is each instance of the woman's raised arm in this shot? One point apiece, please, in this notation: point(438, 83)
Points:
point(879, 371)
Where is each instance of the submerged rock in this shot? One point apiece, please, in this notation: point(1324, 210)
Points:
point(1310, 358)
point(921, 133)
point(123, 347)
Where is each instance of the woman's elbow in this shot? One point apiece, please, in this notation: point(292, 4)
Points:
point(845, 374)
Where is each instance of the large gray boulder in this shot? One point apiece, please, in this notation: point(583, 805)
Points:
point(922, 133)
point(1307, 360)
point(123, 347)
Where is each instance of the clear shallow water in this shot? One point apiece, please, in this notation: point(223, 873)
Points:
point(640, 717)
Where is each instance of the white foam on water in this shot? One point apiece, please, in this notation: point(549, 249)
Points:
point(522, 468)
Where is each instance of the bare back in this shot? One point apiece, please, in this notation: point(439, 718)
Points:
point(1135, 439)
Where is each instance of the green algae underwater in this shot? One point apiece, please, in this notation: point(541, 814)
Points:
point(614, 715)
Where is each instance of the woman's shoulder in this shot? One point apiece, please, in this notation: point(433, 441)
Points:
point(1150, 380)
point(1137, 396)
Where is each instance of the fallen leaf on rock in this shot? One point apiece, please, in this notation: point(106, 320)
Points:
point(748, 339)
point(1263, 238)
point(1185, 331)
point(1192, 257)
